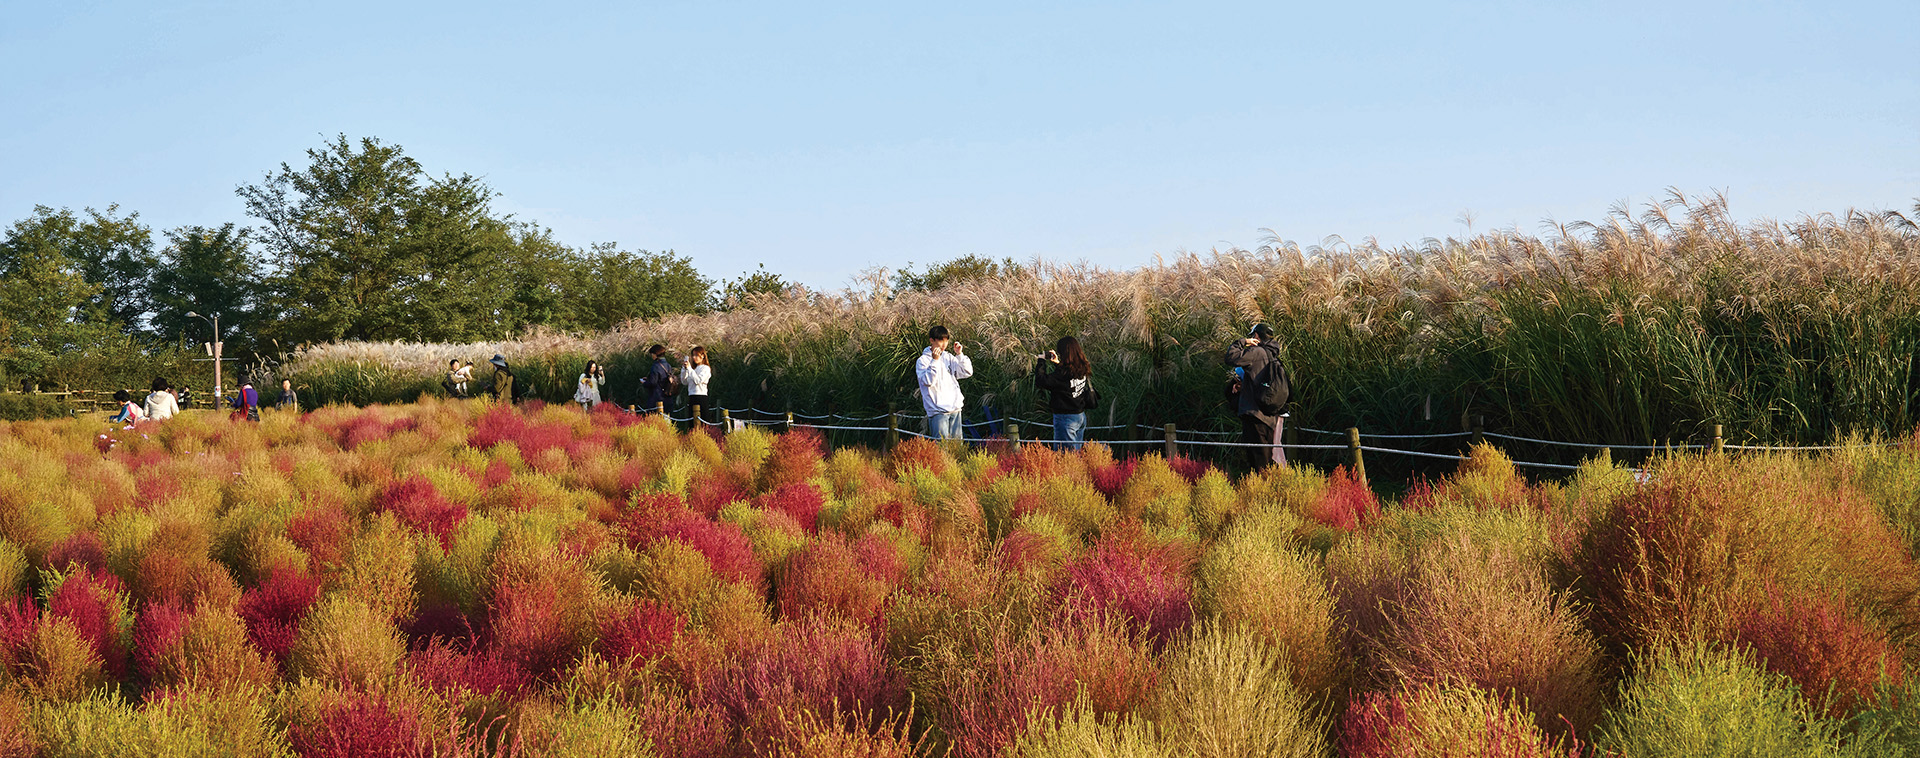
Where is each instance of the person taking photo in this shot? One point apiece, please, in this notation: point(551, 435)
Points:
point(1067, 377)
point(1258, 393)
point(939, 373)
point(696, 373)
point(587, 390)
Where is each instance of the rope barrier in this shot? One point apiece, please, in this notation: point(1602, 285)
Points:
point(1205, 443)
point(1786, 448)
point(1591, 446)
point(1416, 436)
point(1415, 453)
point(846, 428)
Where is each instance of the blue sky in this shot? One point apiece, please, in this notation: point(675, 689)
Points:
point(822, 141)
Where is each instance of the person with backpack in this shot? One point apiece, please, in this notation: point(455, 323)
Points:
point(246, 402)
point(660, 382)
point(1067, 376)
point(1258, 393)
point(939, 373)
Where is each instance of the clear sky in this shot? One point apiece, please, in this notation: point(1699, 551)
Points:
point(822, 141)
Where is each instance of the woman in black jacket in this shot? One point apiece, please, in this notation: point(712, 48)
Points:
point(1067, 376)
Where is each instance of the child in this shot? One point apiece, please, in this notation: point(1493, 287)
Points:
point(462, 376)
point(130, 412)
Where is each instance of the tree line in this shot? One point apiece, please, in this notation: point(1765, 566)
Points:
point(360, 243)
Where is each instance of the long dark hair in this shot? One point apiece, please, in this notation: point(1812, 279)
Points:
point(1072, 358)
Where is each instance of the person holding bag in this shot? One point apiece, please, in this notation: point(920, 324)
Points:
point(587, 392)
point(1067, 376)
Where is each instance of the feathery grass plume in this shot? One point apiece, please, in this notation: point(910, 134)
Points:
point(1225, 692)
point(1444, 721)
point(1482, 616)
point(1157, 494)
point(1691, 699)
point(347, 642)
point(95, 603)
point(379, 568)
point(830, 667)
point(17, 736)
point(1821, 644)
point(360, 724)
point(1077, 731)
point(829, 577)
point(274, 610)
point(1144, 583)
point(1254, 581)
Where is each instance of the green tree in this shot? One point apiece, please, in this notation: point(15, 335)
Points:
point(961, 269)
point(43, 297)
point(735, 293)
point(207, 271)
point(611, 286)
point(366, 245)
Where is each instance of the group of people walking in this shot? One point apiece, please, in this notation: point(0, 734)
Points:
point(1257, 387)
point(163, 402)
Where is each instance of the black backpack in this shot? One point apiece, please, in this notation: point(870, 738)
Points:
point(1274, 388)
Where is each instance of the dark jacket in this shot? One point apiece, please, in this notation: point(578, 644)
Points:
point(658, 384)
point(1065, 395)
point(503, 386)
point(289, 400)
point(1253, 359)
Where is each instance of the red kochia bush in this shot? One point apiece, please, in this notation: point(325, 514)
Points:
point(18, 617)
point(420, 506)
point(712, 490)
point(796, 458)
point(640, 634)
point(1188, 468)
point(800, 500)
point(728, 550)
point(1148, 586)
point(504, 424)
point(827, 576)
point(1348, 503)
point(321, 532)
point(830, 668)
point(158, 628)
point(83, 549)
point(273, 611)
point(1110, 480)
point(446, 668)
point(91, 600)
point(364, 727)
point(648, 517)
point(1820, 643)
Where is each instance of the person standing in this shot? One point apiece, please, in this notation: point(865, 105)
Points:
point(696, 373)
point(161, 404)
point(288, 400)
point(1067, 376)
point(246, 402)
point(939, 373)
point(502, 387)
point(587, 393)
point(1258, 392)
point(658, 386)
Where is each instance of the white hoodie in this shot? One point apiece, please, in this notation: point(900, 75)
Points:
point(161, 405)
point(940, 377)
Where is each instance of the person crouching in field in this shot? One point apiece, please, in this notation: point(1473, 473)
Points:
point(1067, 376)
point(1258, 393)
point(939, 373)
point(161, 404)
point(130, 411)
point(696, 372)
point(587, 391)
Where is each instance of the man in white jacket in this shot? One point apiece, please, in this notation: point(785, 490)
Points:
point(940, 373)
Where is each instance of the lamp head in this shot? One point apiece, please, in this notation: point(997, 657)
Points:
point(191, 314)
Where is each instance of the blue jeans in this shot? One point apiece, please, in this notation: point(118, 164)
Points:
point(1069, 430)
point(944, 426)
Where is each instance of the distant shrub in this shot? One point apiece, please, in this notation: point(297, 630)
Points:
point(1820, 643)
point(19, 407)
point(799, 500)
point(726, 548)
point(797, 457)
point(273, 611)
point(828, 576)
point(639, 634)
point(1145, 585)
point(419, 505)
point(1347, 504)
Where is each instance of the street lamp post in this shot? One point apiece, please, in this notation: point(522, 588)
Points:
point(215, 321)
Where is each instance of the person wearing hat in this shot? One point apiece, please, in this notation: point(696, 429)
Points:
point(1256, 365)
point(502, 385)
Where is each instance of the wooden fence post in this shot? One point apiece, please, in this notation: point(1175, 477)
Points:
point(1479, 427)
point(789, 422)
point(1171, 449)
point(660, 407)
point(1359, 461)
point(698, 415)
point(1719, 442)
point(893, 429)
point(726, 421)
point(1013, 435)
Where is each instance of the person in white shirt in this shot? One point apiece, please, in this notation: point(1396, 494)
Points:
point(161, 404)
point(591, 380)
point(696, 372)
point(940, 373)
